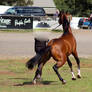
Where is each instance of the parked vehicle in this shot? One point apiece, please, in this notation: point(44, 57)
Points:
point(25, 11)
point(21, 17)
point(85, 23)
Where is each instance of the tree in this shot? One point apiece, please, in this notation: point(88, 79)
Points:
point(83, 7)
point(75, 7)
point(16, 2)
point(65, 5)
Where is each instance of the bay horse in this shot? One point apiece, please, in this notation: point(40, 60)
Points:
point(60, 49)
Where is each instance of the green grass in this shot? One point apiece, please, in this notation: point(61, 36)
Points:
point(27, 30)
point(15, 77)
point(57, 30)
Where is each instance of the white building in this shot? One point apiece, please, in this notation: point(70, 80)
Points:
point(48, 5)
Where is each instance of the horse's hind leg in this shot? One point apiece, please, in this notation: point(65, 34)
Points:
point(38, 73)
point(70, 65)
point(78, 63)
point(57, 66)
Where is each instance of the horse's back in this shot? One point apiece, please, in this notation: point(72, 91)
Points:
point(66, 44)
point(70, 42)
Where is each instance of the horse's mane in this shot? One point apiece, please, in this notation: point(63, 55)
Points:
point(66, 24)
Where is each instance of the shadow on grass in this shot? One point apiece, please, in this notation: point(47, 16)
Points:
point(19, 78)
point(38, 83)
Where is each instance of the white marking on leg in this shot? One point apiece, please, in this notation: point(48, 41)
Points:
point(38, 76)
point(73, 76)
point(34, 81)
point(79, 72)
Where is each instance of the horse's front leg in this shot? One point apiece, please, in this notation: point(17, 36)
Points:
point(78, 63)
point(70, 65)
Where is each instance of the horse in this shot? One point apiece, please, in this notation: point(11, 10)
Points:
point(60, 49)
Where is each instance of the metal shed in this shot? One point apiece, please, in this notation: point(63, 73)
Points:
point(48, 5)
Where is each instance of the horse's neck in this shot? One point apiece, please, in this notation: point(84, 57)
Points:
point(66, 28)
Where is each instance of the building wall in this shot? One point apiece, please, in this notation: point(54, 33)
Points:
point(48, 5)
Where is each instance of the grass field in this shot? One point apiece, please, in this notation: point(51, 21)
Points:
point(28, 30)
point(15, 77)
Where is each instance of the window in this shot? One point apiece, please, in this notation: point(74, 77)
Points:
point(36, 11)
point(11, 11)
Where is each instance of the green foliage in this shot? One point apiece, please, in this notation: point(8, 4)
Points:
point(66, 5)
point(75, 7)
point(16, 2)
point(83, 7)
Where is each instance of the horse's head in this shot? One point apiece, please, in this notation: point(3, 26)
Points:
point(62, 17)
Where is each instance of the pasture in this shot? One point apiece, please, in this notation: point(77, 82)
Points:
point(15, 77)
point(16, 48)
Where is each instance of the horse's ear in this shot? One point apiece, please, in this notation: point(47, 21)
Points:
point(60, 13)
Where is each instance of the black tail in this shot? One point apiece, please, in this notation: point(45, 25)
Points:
point(37, 58)
point(33, 61)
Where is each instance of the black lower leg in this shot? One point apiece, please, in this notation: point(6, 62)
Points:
point(77, 59)
point(78, 62)
point(69, 63)
point(38, 73)
point(56, 71)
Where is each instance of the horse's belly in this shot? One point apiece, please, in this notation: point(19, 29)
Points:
point(68, 47)
point(56, 53)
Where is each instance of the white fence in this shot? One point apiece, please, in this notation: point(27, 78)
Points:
point(54, 23)
point(74, 22)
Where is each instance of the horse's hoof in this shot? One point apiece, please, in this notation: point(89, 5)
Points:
point(73, 78)
point(34, 82)
point(78, 76)
point(63, 82)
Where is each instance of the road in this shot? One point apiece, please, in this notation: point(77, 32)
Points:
point(21, 45)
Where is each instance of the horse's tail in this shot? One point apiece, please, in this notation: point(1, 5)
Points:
point(38, 58)
point(33, 61)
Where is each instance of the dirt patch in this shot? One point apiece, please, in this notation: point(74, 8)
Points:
point(21, 45)
point(6, 73)
point(84, 65)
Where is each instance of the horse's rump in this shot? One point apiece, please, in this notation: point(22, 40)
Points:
point(40, 45)
point(41, 50)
